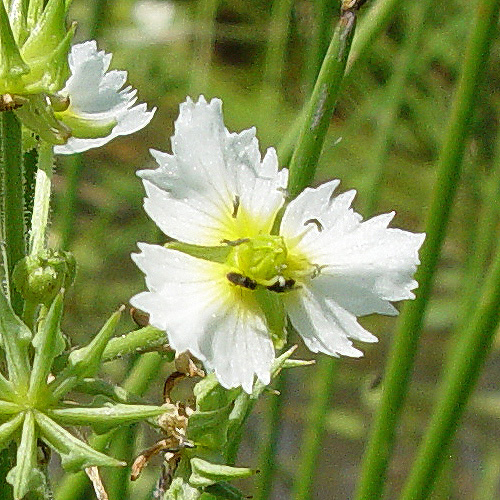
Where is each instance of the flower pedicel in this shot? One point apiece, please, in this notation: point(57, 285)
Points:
point(225, 288)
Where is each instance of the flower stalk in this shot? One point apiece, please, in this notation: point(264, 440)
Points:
point(318, 113)
point(404, 347)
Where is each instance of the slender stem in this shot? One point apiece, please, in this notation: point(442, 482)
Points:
point(470, 348)
point(485, 234)
point(268, 456)
point(275, 56)
point(205, 24)
point(13, 228)
point(320, 107)
point(315, 427)
point(41, 204)
point(394, 95)
point(318, 39)
point(371, 25)
point(404, 347)
point(68, 203)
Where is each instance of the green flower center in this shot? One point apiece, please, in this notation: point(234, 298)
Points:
point(261, 259)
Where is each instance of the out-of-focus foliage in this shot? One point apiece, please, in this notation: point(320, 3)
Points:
point(158, 42)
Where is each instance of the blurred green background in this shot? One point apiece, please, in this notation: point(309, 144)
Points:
point(260, 61)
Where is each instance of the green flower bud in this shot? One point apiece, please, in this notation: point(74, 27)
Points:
point(40, 277)
point(34, 46)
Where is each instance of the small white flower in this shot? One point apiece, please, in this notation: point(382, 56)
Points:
point(324, 268)
point(100, 109)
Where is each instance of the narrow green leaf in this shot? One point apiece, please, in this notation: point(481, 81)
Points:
point(98, 387)
point(48, 343)
point(26, 476)
point(85, 362)
point(8, 408)
point(16, 337)
point(204, 473)
point(17, 14)
point(107, 417)
point(8, 428)
point(75, 454)
point(35, 10)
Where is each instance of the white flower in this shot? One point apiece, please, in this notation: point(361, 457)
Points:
point(100, 109)
point(322, 269)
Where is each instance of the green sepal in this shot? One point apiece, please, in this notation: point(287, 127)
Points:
point(12, 65)
point(16, 338)
point(85, 362)
point(272, 306)
point(8, 428)
point(84, 128)
point(39, 117)
point(48, 343)
point(106, 417)
point(75, 454)
point(6, 389)
point(8, 408)
point(25, 476)
point(225, 491)
point(214, 254)
point(204, 473)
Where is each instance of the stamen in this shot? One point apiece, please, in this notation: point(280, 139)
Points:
point(316, 222)
point(235, 243)
point(236, 206)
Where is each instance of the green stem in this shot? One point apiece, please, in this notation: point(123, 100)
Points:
point(485, 234)
point(13, 228)
point(404, 347)
point(394, 96)
point(470, 348)
point(203, 44)
point(318, 39)
point(320, 107)
point(41, 204)
point(69, 200)
point(315, 427)
point(275, 56)
point(268, 455)
point(371, 25)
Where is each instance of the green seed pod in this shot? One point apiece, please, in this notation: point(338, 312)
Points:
point(40, 277)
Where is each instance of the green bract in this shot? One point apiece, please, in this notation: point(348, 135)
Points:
point(32, 398)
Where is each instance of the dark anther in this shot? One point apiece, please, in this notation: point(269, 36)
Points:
point(240, 280)
point(235, 243)
point(282, 285)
